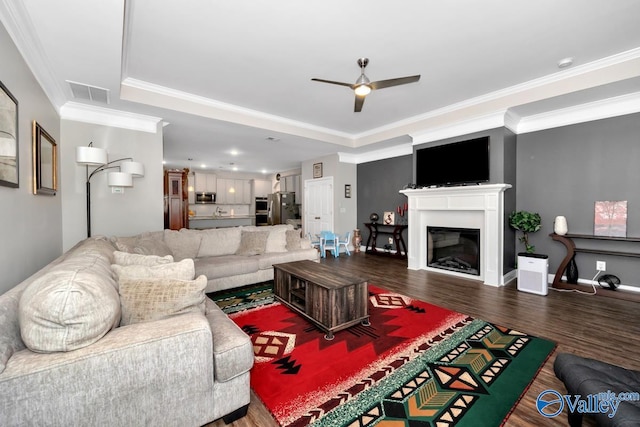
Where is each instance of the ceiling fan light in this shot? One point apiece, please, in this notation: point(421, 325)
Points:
point(362, 90)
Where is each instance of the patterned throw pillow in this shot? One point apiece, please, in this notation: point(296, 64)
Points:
point(252, 242)
point(293, 240)
point(144, 300)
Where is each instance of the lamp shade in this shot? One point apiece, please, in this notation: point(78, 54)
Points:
point(134, 168)
point(91, 155)
point(119, 179)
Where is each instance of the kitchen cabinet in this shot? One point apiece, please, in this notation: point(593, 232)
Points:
point(191, 188)
point(262, 187)
point(290, 183)
point(233, 191)
point(176, 206)
point(205, 182)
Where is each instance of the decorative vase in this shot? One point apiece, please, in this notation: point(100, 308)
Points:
point(357, 240)
point(572, 271)
point(560, 225)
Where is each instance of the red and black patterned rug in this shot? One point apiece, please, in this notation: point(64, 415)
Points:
point(417, 364)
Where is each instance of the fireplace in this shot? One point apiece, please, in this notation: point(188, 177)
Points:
point(479, 207)
point(454, 249)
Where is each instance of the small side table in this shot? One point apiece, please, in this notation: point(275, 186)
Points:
point(395, 231)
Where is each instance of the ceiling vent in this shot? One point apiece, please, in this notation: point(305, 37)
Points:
point(89, 93)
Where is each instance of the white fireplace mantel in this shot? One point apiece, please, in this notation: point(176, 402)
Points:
point(473, 206)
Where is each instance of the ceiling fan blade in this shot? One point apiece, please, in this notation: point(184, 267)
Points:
point(333, 82)
point(381, 84)
point(358, 105)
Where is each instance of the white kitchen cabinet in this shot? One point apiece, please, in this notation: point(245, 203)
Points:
point(233, 191)
point(205, 182)
point(262, 187)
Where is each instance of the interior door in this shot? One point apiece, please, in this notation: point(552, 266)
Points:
point(318, 205)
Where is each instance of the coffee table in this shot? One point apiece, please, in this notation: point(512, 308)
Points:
point(330, 298)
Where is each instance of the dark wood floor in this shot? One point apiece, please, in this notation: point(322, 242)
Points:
point(601, 328)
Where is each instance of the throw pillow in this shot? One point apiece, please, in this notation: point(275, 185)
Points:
point(152, 247)
point(144, 300)
point(182, 270)
point(125, 244)
point(125, 258)
point(277, 241)
point(252, 242)
point(293, 240)
point(66, 310)
point(183, 244)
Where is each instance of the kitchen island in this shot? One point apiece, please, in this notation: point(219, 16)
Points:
point(202, 222)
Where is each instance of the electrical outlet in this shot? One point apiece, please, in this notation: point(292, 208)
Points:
point(391, 240)
point(601, 265)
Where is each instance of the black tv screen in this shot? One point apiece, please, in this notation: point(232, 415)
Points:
point(459, 163)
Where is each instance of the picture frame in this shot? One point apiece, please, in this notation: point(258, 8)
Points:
point(9, 142)
point(317, 170)
point(610, 218)
point(389, 218)
point(45, 161)
point(347, 191)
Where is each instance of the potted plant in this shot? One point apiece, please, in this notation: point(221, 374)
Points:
point(526, 222)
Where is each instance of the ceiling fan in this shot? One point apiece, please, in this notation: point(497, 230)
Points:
point(363, 86)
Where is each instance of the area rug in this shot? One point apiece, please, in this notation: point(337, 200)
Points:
point(417, 364)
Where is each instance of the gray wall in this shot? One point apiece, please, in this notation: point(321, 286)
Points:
point(30, 225)
point(564, 171)
point(379, 183)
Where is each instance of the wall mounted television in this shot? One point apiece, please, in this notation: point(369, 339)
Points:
point(458, 163)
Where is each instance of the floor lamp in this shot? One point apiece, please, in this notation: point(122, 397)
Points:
point(94, 156)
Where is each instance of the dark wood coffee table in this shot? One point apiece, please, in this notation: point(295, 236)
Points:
point(330, 298)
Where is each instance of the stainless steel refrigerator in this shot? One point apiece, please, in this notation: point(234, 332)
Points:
point(282, 206)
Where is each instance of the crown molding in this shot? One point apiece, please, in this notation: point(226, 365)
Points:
point(108, 117)
point(475, 124)
point(373, 155)
point(16, 20)
point(161, 96)
point(603, 109)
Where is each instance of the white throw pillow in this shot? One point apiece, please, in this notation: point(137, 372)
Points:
point(125, 258)
point(277, 241)
point(182, 270)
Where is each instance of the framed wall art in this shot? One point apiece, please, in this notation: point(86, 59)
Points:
point(317, 170)
point(610, 218)
point(9, 176)
point(45, 160)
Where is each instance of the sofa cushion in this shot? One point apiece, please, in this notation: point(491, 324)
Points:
point(145, 300)
point(219, 241)
point(183, 244)
point(145, 246)
point(68, 309)
point(125, 244)
point(125, 258)
point(277, 240)
point(182, 270)
point(252, 242)
point(266, 261)
point(225, 266)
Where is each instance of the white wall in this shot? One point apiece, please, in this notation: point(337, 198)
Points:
point(30, 225)
point(344, 215)
point(139, 209)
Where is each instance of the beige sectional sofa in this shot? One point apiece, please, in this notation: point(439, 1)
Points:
point(229, 257)
point(69, 358)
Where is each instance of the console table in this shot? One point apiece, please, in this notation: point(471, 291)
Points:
point(567, 241)
point(395, 231)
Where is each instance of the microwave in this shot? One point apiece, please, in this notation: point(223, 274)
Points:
point(203, 198)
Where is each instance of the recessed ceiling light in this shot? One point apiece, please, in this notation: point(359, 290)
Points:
point(164, 162)
point(234, 152)
point(203, 165)
point(565, 62)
